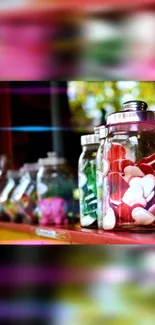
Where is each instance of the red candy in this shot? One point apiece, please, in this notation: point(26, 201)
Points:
point(124, 211)
point(152, 165)
point(118, 181)
point(117, 151)
point(146, 160)
point(119, 165)
point(146, 169)
point(116, 197)
point(118, 187)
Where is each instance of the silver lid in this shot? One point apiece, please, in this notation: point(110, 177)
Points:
point(90, 139)
point(51, 161)
point(103, 133)
point(97, 129)
point(133, 111)
point(54, 156)
point(51, 154)
point(135, 105)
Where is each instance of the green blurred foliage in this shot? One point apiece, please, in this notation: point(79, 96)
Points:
point(108, 95)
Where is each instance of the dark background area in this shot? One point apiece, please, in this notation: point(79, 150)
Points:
point(36, 104)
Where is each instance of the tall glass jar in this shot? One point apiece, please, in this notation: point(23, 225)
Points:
point(129, 169)
point(103, 132)
point(55, 191)
point(87, 181)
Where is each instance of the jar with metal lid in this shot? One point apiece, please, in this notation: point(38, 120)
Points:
point(7, 209)
point(103, 132)
point(87, 180)
point(55, 191)
point(129, 169)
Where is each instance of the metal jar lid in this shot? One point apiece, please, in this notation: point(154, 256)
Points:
point(135, 105)
point(103, 133)
point(133, 111)
point(90, 139)
point(98, 128)
point(30, 167)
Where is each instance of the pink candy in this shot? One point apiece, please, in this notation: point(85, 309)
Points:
point(53, 211)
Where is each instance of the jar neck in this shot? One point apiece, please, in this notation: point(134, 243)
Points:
point(91, 147)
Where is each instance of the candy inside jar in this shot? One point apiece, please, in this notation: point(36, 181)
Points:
point(55, 186)
point(129, 182)
point(87, 180)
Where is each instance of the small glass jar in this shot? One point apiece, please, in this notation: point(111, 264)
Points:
point(27, 199)
point(7, 209)
point(129, 169)
point(103, 132)
point(87, 181)
point(15, 206)
point(55, 191)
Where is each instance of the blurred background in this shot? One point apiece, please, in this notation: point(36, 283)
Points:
point(40, 117)
point(80, 285)
point(70, 40)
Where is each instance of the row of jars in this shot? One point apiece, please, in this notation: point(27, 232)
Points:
point(43, 192)
point(117, 171)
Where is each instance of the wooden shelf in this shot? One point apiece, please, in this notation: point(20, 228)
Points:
point(19, 233)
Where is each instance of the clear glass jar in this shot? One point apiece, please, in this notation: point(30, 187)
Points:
point(27, 199)
point(55, 187)
point(87, 181)
point(7, 209)
point(15, 206)
point(99, 172)
point(129, 169)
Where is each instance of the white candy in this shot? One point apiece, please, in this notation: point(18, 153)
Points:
point(133, 171)
point(135, 181)
point(152, 209)
point(148, 183)
point(109, 220)
point(142, 216)
point(87, 221)
point(150, 197)
point(134, 195)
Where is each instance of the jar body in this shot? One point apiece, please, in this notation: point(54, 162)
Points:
point(5, 206)
point(99, 176)
point(129, 178)
point(55, 195)
point(87, 186)
point(15, 203)
point(27, 200)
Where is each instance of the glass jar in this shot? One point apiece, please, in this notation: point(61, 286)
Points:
point(87, 180)
point(15, 206)
point(55, 191)
point(103, 132)
point(7, 210)
point(27, 198)
point(129, 169)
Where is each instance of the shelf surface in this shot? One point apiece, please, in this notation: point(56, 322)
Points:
point(19, 233)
